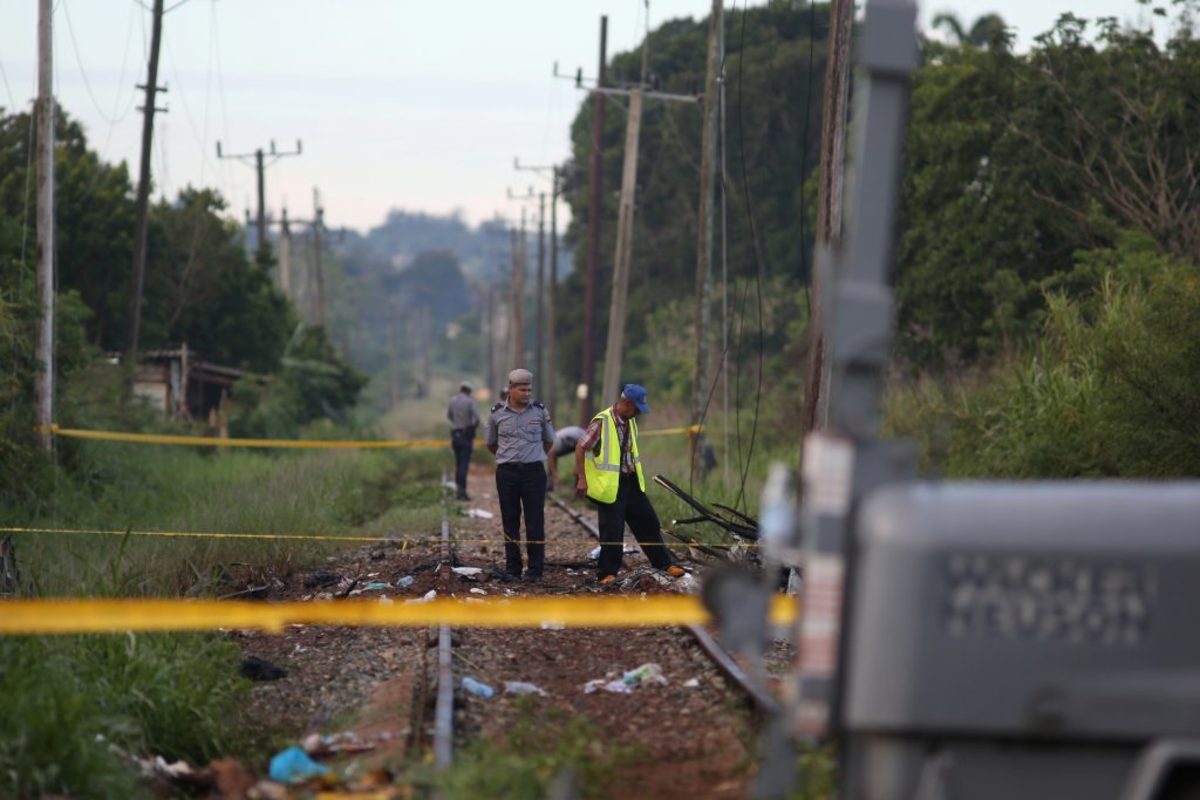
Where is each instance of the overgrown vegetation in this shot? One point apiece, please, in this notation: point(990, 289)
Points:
point(539, 750)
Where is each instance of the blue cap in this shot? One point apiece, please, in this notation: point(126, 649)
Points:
point(636, 394)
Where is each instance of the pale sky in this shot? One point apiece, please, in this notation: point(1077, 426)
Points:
point(399, 103)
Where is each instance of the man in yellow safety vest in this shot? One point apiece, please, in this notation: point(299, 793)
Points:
point(608, 470)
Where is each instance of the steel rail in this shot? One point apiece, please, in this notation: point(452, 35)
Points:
point(443, 716)
point(765, 701)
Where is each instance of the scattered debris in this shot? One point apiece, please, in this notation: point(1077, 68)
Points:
point(552, 625)
point(467, 572)
point(626, 547)
point(259, 669)
point(692, 683)
point(321, 578)
point(375, 586)
point(252, 593)
point(294, 766)
point(476, 688)
point(478, 513)
point(522, 688)
point(477, 590)
point(231, 777)
point(616, 687)
point(648, 673)
point(404, 582)
point(425, 598)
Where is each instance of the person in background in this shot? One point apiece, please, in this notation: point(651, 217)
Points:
point(519, 434)
point(464, 420)
point(608, 470)
point(565, 440)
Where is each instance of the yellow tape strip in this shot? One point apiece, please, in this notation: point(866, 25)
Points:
point(205, 534)
point(316, 537)
point(690, 429)
point(208, 441)
point(118, 616)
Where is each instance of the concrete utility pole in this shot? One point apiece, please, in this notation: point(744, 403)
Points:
point(834, 113)
point(588, 368)
point(44, 388)
point(622, 258)
point(133, 316)
point(704, 228)
point(623, 253)
point(260, 165)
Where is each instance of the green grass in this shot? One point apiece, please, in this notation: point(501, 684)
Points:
point(523, 766)
point(68, 699)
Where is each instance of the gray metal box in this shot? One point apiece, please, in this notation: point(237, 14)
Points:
point(1021, 640)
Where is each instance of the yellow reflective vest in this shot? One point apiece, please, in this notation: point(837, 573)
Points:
point(603, 471)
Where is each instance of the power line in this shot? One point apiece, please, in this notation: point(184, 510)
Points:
point(87, 84)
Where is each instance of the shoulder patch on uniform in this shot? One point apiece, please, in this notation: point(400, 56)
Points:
point(497, 407)
point(539, 404)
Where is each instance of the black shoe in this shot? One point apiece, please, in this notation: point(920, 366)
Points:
point(533, 577)
point(462, 495)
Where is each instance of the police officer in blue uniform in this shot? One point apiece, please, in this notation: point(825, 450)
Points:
point(519, 434)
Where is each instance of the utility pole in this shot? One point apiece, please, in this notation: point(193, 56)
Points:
point(260, 166)
point(552, 278)
point(285, 254)
point(623, 253)
point(541, 289)
point(489, 338)
point(622, 258)
point(318, 221)
point(133, 315)
point(44, 388)
point(588, 371)
point(518, 290)
point(815, 415)
point(704, 228)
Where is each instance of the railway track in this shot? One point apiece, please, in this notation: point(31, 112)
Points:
point(689, 736)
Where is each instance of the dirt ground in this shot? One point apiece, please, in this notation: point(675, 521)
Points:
point(692, 737)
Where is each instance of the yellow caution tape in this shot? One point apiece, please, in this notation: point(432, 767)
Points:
point(119, 616)
point(208, 441)
point(208, 534)
point(690, 429)
point(317, 537)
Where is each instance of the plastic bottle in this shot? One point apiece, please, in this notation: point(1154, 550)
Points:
point(476, 688)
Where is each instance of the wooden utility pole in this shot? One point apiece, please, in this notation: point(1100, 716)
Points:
point(133, 315)
point(588, 367)
point(704, 227)
point(623, 254)
point(538, 365)
point(552, 298)
point(546, 322)
point(517, 329)
point(815, 414)
point(260, 165)
point(285, 254)
point(44, 388)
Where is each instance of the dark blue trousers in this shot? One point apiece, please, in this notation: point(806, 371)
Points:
point(462, 445)
point(632, 506)
point(523, 487)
